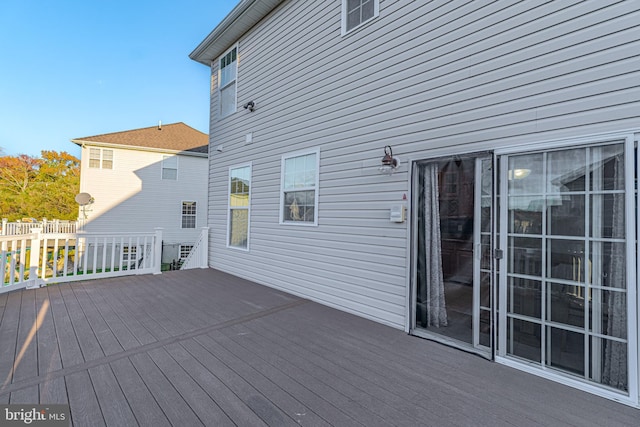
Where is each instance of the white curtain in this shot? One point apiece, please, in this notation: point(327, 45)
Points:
point(434, 286)
point(615, 357)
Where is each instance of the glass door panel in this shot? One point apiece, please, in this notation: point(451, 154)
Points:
point(565, 287)
point(454, 263)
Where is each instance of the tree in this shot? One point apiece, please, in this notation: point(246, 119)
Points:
point(42, 187)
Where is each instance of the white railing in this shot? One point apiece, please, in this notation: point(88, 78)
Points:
point(198, 256)
point(36, 259)
point(54, 226)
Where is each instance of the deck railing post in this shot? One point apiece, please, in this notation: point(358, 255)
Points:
point(4, 227)
point(34, 259)
point(204, 252)
point(157, 251)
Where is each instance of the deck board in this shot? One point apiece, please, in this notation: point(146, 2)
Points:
point(9, 336)
point(113, 403)
point(198, 400)
point(202, 347)
point(26, 359)
point(125, 338)
point(248, 390)
point(107, 340)
point(144, 406)
point(228, 402)
point(86, 337)
point(271, 395)
point(140, 326)
point(348, 380)
point(173, 405)
point(70, 352)
point(85, 409)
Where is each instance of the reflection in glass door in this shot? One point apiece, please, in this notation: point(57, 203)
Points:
point(453, 290)
point(564, 297)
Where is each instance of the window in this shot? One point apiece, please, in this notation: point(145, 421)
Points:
point(227, 75)
point(99, 158)
point(357, 12)
point(170, 167)
point(129, 257)
point(299, 197)
point(94, 157)
point(129, 253)
point(185, 250)
point(107, 159)
point(188, 214)
point(239, 204)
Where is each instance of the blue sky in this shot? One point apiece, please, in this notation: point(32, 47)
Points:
point(74, 68)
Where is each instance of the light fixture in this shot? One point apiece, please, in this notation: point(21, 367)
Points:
point(250, 106)
point(518, 173)
point(389, 163)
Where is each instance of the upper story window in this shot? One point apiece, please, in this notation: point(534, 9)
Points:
point(227, 76)
point(100, 158)
point(188, 214)
point(357, 12)
point(299, 197)
point(170, 167)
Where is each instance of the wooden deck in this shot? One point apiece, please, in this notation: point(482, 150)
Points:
point(200, 347)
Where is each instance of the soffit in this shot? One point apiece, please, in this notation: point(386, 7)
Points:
point(240, 20)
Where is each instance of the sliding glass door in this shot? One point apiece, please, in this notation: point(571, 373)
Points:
point(567, 292)
point(453, 291)
point(549, 283)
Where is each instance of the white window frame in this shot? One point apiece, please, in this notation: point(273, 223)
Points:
point(632, 260)
point(182, 215)
point(316, 187)
point(229, 83)
point(100, 158)
point(376, 12)
point(104, 159)
point(180, 248)
point(247, 208)
point(164, 167)
point(95, 155)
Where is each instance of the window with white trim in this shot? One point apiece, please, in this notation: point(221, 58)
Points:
point(188, 214)
point(357, 12)
point(170, 167)
point(184, 251)
point(299, 183)
point(129, 253)
point(100, 158)
point(227, 76)
point(239, 206)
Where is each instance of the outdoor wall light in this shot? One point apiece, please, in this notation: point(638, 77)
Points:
point(389, 162)
point(250, 106)
point(518, 173)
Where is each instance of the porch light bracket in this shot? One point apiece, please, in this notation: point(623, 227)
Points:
point(389, 162)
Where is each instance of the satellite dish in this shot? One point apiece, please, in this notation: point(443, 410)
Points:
point(84, 199)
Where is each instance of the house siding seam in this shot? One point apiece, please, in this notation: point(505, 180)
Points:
point(419, 77)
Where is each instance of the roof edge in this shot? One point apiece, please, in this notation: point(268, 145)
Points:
point(80, 142)
point(245, 15)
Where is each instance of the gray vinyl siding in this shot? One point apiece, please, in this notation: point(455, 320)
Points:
point(421, 76)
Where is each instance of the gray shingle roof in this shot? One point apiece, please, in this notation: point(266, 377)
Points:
point(175, 136)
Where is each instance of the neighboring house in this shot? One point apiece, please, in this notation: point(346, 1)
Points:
point(146, 178)
point(508, 226)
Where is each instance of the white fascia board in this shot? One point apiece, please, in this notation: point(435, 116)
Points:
point(240, 20)
point(137, 148)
